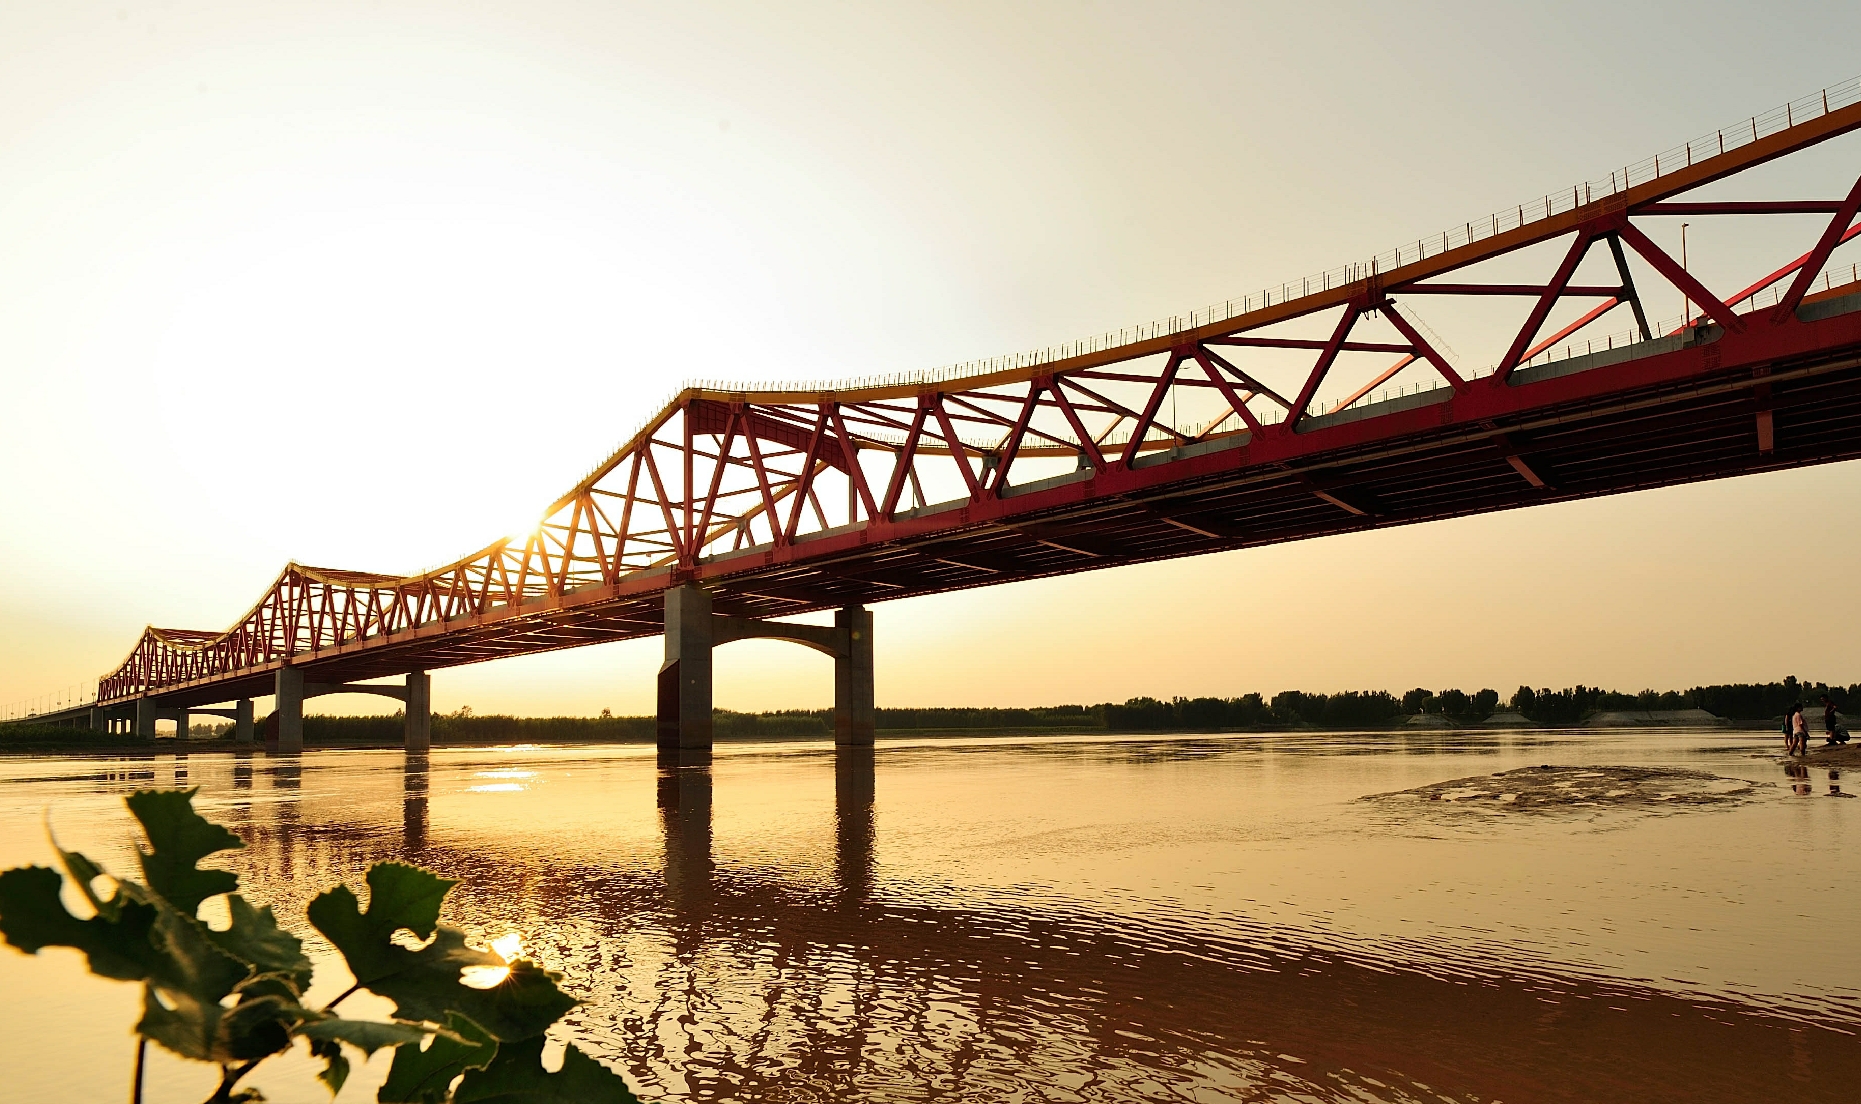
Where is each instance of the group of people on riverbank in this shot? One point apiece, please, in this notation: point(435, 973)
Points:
point(1796, 728)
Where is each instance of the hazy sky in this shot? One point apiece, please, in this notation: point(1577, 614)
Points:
point(365, 285)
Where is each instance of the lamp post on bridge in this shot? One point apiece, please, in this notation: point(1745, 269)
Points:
point(1686, 305)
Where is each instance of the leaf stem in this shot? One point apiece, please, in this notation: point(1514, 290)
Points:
point(229, 1076)
point(135, 1084)
point(343, 996)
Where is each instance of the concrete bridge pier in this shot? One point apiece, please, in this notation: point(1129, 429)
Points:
point(685, 678)
point(242, 721)
point(289, 710)
point(855, 718)
point(417, 727)
point(145, 718)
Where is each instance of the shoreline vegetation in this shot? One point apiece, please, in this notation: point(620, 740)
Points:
point(1752, 705)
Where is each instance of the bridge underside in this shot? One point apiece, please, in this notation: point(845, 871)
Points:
point(1683, 425)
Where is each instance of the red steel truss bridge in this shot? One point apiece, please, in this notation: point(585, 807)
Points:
point(1333, 404)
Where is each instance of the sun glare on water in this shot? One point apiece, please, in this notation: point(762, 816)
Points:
point(507, 947)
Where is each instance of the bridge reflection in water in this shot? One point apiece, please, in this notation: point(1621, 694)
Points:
point(711, 979)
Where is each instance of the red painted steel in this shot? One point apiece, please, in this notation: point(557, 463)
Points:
point(790, 501)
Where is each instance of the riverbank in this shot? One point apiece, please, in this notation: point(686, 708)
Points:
point(1848, 755)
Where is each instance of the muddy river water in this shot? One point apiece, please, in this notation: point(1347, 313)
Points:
point(1193, 918)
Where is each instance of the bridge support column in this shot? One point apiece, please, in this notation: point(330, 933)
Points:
point(854, 715)
point(242, 721)
point(418, 726)
point(692, 630)
point(98, 719)
point(145, 718)
point(180, 725)
point(685, 677)
point(289, 710)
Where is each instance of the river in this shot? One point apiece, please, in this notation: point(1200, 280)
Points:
point(1193, 918)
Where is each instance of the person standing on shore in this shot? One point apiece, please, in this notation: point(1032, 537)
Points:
point(1831, 724)
point(1789, 729)
point(1801, 727)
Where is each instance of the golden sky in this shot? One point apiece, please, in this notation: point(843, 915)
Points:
point(365, 285)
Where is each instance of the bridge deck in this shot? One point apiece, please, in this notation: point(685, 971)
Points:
point(1668, 412)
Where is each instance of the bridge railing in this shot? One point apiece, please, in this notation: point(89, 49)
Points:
point(70, 697)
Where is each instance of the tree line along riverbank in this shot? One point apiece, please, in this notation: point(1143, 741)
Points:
point(1752, 703)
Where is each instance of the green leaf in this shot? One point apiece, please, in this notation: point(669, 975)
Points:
point(181, 838)
point(399, 896)
point(256, 939)
point(193, 978)
point(367, 1036)
point(521, 1006)
point(84, 874)
point(426, 1076)
point(32, 915)
point(335, 1066)
point(517, 1076)
point(257, 1026)
point(210, 1032)
point(193, 962)
point(424, 983)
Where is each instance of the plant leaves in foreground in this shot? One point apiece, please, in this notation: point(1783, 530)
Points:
point(335, 1064)
point(233, 997)
point(194, 977)
point(367, 1036)
point(424, 983)
point(255, 938)
point(517, 1076)
point(84, 875)
point(181, 838)
point(32, 915)
point(426, 1076)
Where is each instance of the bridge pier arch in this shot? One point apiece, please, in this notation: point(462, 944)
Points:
point(685, 678)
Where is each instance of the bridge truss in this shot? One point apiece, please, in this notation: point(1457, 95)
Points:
point(1327, 406)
